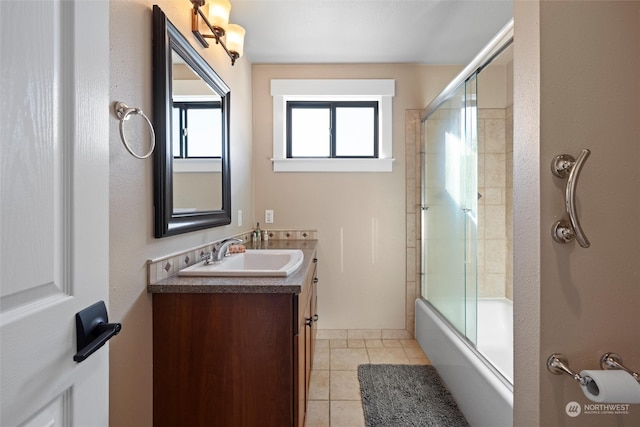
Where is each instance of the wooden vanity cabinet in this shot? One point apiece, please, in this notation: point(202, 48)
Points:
point(232, 359)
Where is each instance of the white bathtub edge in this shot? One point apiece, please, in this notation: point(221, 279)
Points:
point(484, 399)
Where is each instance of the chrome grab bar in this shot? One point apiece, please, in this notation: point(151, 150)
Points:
point(562, 166)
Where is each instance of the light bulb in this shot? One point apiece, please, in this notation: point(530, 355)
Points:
point(235, 39)
point(219, 14)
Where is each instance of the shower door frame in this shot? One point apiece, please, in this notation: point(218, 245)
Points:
point(415, 120)
point(451, 142)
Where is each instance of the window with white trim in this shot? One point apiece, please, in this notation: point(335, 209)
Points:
point(332, 125)
point(338, 129)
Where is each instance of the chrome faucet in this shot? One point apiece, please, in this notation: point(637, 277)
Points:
point(224, 247)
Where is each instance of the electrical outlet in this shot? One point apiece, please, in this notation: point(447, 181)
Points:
point(268, 216)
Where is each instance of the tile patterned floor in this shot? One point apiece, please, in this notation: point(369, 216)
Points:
point(334, 392)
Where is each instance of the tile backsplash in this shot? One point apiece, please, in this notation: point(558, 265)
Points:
point(169, 265)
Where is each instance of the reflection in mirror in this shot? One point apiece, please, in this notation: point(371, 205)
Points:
point(192, 189)
point(196, 141)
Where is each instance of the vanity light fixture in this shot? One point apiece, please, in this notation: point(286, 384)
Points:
point(218, 23)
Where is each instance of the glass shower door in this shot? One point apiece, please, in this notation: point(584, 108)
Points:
point(450, 206)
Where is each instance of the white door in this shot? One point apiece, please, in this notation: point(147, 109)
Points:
point(54, 190)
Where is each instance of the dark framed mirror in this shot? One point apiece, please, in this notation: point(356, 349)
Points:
point(192, 186)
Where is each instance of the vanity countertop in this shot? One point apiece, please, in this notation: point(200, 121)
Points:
point(245, 285)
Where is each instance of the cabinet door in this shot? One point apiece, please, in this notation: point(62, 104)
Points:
point(302, 365)
point(223, 360)
point(303, 345)
point(309, 325)
point(314, 313)
point(299, 385)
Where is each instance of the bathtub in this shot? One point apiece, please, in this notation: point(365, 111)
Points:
point(483, 395)
point(495, 333)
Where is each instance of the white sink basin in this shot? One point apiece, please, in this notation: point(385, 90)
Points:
point(253, 262)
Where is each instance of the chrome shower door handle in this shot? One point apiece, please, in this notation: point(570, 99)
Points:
point(561, 166)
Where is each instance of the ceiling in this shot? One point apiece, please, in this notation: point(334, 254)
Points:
point(368, 31)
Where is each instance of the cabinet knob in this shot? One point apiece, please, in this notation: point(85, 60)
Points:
point(315, 280)
point(315, 260)
point(309, 321)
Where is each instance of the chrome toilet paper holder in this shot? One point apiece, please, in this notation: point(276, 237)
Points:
point(613, 361)
point(558, 364)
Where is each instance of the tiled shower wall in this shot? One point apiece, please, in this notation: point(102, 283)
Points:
point(508, 126)
point(413, 255)
point(495, 175)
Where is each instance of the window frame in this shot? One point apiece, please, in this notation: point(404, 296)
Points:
point(194, 164)
point(332, 106)
point(184, 107)
point(380, 90)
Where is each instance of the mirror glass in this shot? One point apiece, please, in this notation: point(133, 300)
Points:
point(191, 112)
point(196, 139)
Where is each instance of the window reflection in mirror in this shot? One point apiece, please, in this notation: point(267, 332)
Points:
point(196, 141)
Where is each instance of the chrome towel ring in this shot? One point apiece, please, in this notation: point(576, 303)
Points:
point(123, 112)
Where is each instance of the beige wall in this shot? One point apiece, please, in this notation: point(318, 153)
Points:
point(360, 217)
point(492, 84)
point(131, 196)
point(199, 190)
point(576, 86)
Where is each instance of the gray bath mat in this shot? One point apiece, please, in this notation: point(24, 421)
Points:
point(406, 395)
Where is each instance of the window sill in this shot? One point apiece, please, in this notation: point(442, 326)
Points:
point(332, 165)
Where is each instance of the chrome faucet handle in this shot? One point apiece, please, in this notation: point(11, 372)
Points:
point(207, 257)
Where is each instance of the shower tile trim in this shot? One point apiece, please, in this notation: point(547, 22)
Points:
point(364, 334)
point(169, 265)
point(413, 149)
